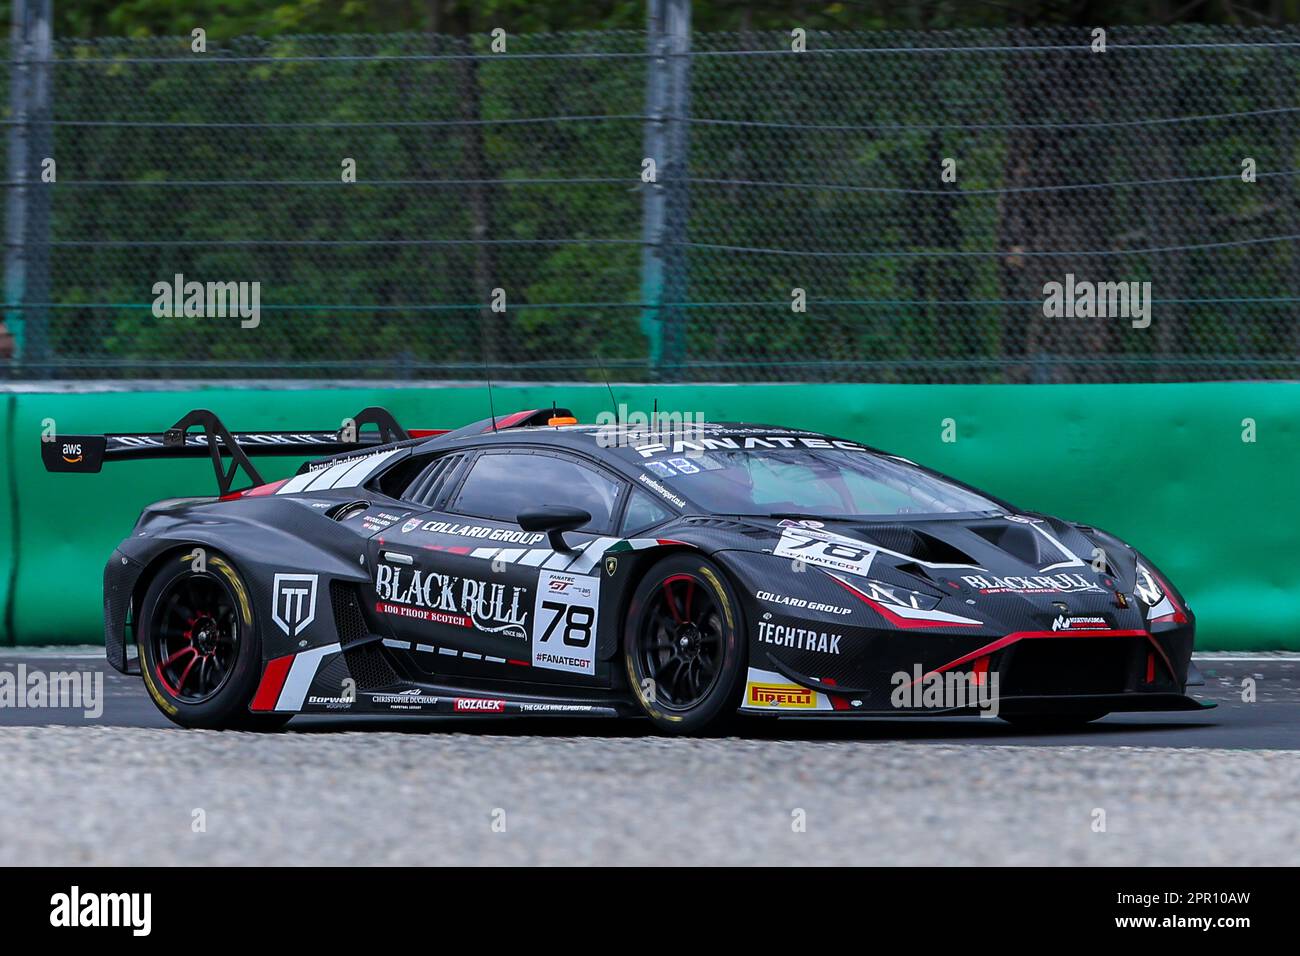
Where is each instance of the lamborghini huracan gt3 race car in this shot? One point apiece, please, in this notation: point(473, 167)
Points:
point(530, 565)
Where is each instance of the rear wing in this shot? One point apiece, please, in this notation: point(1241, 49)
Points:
point(87, 453)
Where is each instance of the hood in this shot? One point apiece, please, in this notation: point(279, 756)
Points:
point(1029, 570)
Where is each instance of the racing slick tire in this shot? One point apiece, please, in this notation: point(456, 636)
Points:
point(199, 647)
point(683, 646)
point(1052, 723)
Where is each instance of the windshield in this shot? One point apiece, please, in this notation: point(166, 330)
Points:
point(830, 483)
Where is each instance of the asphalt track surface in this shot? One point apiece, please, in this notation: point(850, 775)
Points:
point(1214, 787)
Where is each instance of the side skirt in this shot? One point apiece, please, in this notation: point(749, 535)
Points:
point(316, 681)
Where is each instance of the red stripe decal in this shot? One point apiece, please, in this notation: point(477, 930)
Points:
point(273, 678)
point(256, 491)
point(837, 702)
point(509, 421)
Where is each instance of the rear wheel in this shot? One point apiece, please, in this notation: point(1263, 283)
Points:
point(1052, 723)
point(200, 653)
point(683, 645)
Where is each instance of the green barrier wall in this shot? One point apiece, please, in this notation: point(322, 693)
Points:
point(1163, 466)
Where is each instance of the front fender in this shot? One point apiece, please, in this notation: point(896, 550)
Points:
point(259, 551)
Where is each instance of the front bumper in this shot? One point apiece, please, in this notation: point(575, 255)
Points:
point(888, 673)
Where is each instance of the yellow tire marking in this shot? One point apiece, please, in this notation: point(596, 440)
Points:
point(229, 573)
point(722, 596)
point(154, 692)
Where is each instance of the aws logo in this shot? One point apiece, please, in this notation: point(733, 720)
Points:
point(72, 452)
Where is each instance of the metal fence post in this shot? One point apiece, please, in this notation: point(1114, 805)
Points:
point(27, 221)
point(664, 206)
point(16, 196)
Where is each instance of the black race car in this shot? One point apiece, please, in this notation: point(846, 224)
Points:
point(530, 565)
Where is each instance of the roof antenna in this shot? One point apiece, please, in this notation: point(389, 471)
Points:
point(605, 377)
point(491, 408)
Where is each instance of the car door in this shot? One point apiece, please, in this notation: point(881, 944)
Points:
point(418, 485)
point(475, 594)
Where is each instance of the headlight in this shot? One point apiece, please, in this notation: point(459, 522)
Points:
point(1161, 606)
point(900, 596)
point(1147, 589)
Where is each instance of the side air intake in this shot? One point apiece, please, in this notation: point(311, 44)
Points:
point(366, 661)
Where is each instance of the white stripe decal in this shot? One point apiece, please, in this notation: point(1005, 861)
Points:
point(905, 611)
point(511, 555)
point(494, 660)
point(326, 477)
point(1074, 560)
point(483, 553)
point(296, 484)
point(427, 648)
point(535, 557)
point(301, 673)
point(1163, 608)
point(592, 555)
point(559, 561)
point(473, 657)
point(400, 645)
point(447, 650)
point(359, 471)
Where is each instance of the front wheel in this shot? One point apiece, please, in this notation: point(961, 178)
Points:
point(683, 645)
point(200, 653)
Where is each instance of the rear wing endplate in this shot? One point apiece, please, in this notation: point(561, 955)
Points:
point(87, 453)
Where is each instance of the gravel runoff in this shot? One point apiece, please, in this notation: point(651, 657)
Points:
point(120, 796)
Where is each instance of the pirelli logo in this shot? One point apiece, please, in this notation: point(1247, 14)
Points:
point(779, 695)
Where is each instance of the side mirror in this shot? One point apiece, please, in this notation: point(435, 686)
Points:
point(554, 520)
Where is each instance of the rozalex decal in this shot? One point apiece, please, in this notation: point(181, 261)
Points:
point(480, 705)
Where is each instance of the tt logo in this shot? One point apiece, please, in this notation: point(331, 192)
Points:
point(295, 602)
